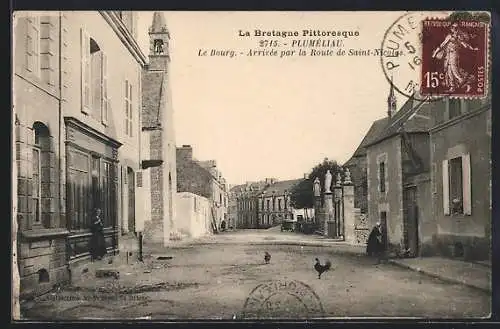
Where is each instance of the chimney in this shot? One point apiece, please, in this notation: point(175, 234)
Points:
point(185, 152)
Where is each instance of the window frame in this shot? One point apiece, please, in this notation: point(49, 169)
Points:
point(33, 39)
point(466, 186)
point(128, 101)
point(381, 176)
point(37, 207)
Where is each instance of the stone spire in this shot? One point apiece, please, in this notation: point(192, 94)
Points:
point(391, 101)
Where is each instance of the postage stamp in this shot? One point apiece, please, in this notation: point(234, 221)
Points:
point(454, 58)
point(401, 55)
point(282, 299)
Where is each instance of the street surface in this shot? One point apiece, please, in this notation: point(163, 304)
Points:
point(213, 280)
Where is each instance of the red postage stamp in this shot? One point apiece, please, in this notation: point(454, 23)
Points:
point(454, 58)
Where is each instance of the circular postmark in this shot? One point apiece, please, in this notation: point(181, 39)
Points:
point(288, 299)
point(401, 53)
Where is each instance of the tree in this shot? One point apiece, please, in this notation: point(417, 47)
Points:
point(302, 194)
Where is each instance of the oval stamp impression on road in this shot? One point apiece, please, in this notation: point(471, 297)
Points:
point(401, 55)
point(454, 58)
point(288, 299)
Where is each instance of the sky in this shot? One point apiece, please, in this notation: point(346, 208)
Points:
point(264, 117)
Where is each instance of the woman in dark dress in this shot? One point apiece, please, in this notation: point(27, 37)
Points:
point(374, 245)
point(97, 243)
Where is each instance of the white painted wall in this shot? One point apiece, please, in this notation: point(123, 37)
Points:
point(193, 221)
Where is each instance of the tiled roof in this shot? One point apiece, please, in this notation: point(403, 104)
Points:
point(281, 186)
point(375, 130)
point(413, 117)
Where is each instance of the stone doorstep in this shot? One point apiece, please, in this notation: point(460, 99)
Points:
point(440, 276)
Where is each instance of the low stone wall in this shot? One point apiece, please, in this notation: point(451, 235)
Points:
point(361, 227)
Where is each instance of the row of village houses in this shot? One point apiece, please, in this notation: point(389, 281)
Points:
point(423, 171)
point(93, 128)
point(264, 204)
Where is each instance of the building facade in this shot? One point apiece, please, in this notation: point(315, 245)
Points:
point(195, 212)
point(159, 148)
point(398, 166)
point(246, 197)
point(461, 178)
point(76, 75)
point(274, 203)
point(219, 189)
point(204, 179)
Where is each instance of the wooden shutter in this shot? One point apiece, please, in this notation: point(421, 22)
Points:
point(446, 188)
point(85, 63)
point(466, 184)
point(130, 110)
point(126, 107)
point(29, 44)
point(104, 89)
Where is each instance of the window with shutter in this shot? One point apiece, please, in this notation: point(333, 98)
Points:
point(446, 188)
point(130, 111)
point(86, 71)
point(127, 101)
point(33, 44)
point(466, 184)
point(104, 90)
point(454, 108)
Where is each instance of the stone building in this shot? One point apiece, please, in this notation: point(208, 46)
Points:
point(158, 147)
point(274, 203)
point(202, 178)
point(195, 214)
point(460, 142)
point(76, 77)
point(398, 163)
point(232, 209)
point(246, 197)
point(219, 188)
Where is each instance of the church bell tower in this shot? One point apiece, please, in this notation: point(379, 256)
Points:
point(159, 38)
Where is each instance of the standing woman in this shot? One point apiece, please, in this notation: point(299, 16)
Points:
point(97, 243)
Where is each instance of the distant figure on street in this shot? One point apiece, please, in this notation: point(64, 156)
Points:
point(223, 225)
point(97, 242)
point(376, 243)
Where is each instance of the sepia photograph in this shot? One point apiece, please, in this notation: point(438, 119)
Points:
point(251, 165)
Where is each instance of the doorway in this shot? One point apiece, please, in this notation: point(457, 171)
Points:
point(131, 199)
point(170, 201)
point(410, 221)
point(383, 223)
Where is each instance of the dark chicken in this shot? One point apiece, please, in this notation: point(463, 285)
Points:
point(267, 257)
point(322, 268)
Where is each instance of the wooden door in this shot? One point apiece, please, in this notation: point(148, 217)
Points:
point(410, 221)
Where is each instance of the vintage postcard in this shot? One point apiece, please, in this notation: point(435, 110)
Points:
point(254, 165)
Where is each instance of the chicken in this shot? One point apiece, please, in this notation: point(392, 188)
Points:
point(322, 268)
point(267, 257)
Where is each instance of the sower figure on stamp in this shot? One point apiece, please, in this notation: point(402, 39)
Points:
point(97, 242)
point(455, 76)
